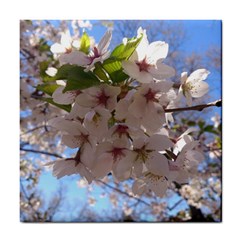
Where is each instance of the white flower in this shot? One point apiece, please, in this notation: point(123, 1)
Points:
point(114, 156)
point(184, 139)
point(156, 183)
point(65, 45)
point(148, 156)
point(98, 54)
point(96, 122)
point(77, 112)
point(51, 71)
point(104, 96)
point(74, 134)
point(193, 86)
point(216, 119)
point(64, 98)
point(146, 63)
point(147, 107)
point(84, 24)
point(122, 130)
point(67, 167)
point(185, 163)
point(123, 115)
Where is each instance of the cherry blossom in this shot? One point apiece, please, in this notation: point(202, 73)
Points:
point(148, 155)
point(120, 126)
point(146, 63)
point(69, 167)
point(97, 54)
point(147, 107)
point(156, 183)
point(64, 98)
point(115, 156)
point(193, 86)
point(65, 45)
point(96, 122)
point(104, 96)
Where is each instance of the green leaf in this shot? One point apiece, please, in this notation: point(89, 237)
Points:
point(99, 71)
point(78, 79)
point(47, 88)
point(62, 72)
point(85, 43)
point(115, 71)
point(67, 108)
point(113, 65)
point(191, 123)
point(43, 46)
point(211, 129)
point(43, 66)
point(201, 124)
point(124, 52)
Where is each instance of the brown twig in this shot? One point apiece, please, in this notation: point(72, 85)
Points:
point(124, 193)
point(217, 103)
point(41, 152)
point(34, 129)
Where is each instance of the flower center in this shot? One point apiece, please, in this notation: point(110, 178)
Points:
point(121, 130)
point(96, 118)
point(142, 154)
point(102, 99)
point(84, 138)
point(94, 54)
point(155, 178)
point(68, 50)
point(188, 86)
point(143, 65)
point(151, 96)
point(117, 153)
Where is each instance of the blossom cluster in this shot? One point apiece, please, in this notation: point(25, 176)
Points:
point(117, 118)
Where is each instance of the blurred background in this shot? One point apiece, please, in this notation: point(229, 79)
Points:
point(43, 198)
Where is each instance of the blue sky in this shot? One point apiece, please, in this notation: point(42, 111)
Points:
point(201, 35)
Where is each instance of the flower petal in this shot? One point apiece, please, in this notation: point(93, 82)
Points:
point(159, 187)
point(184, 77)
point(137, 108)
point(76, 58)
point(188, 97)
point(139, 187)
point(63, 98)
point(159, 142)
point(131, 69)
point(66, 40)
point(157, 164)
point(102, 166)
point(157, 51)
point(138, 168)
point(163, 71)
point(122, 167)
point(71, 141)
point(145, 77)
point(104, 42)
point(198, 75)
point(57, 48)
point(200, 89)
point(195, 155)
point(85, 100)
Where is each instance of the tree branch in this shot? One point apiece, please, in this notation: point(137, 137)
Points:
point(34, 129)
point(124, 193)
point(175, 205)
point(217, 103)
point(41, 152)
